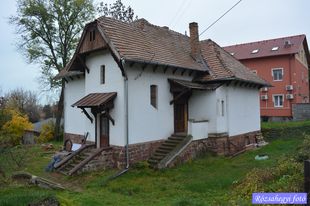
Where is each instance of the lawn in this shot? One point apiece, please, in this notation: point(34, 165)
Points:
point(200, 182)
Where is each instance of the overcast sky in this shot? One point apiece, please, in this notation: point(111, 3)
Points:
point(251, 20)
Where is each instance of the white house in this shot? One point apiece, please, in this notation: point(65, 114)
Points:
point(133, 85)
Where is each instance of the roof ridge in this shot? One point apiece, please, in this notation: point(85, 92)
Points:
point(263, 41)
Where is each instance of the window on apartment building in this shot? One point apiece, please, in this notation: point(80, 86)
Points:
point(153, 95)
point(278, 100)
point(277, 74)
point(102, 74)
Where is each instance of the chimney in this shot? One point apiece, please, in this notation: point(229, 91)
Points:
point(194, 39)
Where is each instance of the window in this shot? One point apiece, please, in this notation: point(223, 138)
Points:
point(92, 35)
point(278, 100)
point(154, 95)
point(255, 51)
point(222, 108)
point(102, 74)
point(276, 48)
point(277, 74)
point(232, 53)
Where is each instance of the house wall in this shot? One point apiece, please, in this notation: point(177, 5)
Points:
point(242, 110)
point(73, 117)
point(294, 73)
point(114, 82)
point(147, 123)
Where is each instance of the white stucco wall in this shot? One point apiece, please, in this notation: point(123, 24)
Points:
point(240, 113)
point(243, 110)
point(147, 123)
point(113, 83)
point(73, 117)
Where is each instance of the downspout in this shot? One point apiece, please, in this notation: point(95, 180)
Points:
point(122, 63)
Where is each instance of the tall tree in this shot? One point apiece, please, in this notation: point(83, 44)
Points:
point(49, 31)
point(117, 10)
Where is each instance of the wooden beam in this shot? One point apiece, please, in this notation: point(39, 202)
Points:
point(71, 78)
point(66, 80)
point(110, 118)
point(131, 64)
point(179, 95)
point(174, 70)
point(87, 115)
point(191, 72)
point(144, 66)
point(182, 73)
point(155, 67)
point(83, 63)
point(165, 69)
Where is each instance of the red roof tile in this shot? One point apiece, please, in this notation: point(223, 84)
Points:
point(244, 51)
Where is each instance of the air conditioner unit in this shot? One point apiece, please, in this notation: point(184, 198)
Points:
point(264, 97)
point(289, 96)
point(265, 89)
point(289, 87)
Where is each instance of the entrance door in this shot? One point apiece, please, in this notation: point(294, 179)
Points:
point(104, 131)
point(180, 117)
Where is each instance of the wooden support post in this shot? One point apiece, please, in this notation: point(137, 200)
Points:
point(174, 71)
point(307, 176)
point(165, 69)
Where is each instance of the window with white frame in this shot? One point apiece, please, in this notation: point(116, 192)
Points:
point(277, 74)
point(278, 100)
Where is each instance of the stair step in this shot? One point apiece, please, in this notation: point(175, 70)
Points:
point(152, 161)
point(169, 144)
point(174, 140)
point(161, 151)
point(158, 158)
point(166, 147)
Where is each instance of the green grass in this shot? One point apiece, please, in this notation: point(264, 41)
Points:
point(199, 182)
point(275, 125)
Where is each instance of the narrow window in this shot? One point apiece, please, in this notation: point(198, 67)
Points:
point(222, 108)
point(154, 95)
point(278, 100)
point(102, 74)
point(277, 74)
point(92, 35)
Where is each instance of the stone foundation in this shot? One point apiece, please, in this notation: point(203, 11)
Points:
point(220, 144)
point(115, 156)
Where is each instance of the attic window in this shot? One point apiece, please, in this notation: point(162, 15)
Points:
point(276, 48)
point(255, 51)
point(92, 35)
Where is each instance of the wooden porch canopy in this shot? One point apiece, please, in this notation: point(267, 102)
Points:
point(184, 88)
point(97, 102)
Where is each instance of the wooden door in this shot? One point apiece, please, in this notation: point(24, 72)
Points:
point(180, 117)
point(104, 131)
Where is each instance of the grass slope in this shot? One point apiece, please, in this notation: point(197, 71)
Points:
point(200, 182)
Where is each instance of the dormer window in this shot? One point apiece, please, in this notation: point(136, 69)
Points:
point(255, 51)
point(232, 53)
point(276, 48)
point(92, 35)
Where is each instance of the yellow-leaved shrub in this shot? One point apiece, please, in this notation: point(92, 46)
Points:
point(47, 133)
point(13, 130)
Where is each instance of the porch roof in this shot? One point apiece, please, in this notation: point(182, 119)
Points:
point(95, 100)
point(194, 85)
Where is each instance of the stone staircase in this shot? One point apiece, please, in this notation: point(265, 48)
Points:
point(76, 160)
point(168, 150)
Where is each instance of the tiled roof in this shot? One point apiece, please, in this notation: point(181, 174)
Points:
point(224, 66)
point(95, 99)
point(143, 42)
point(282, 46)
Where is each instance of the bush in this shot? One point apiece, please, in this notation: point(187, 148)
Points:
point(304, 150)
point(13, 130)
point(47, 132)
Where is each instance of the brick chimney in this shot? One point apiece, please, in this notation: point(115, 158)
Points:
point(194, 39)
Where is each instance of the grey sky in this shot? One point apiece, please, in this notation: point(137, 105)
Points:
point(251, 20)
